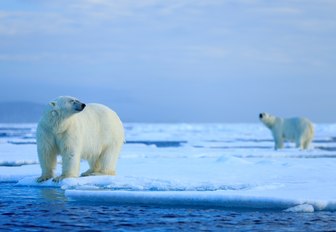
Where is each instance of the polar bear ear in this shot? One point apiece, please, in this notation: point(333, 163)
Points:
point(52, 104)
point(54, 113)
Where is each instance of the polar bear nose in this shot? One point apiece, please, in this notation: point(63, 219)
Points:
point(260, 115)
point(83, 106)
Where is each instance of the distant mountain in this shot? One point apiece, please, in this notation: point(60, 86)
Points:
point(20, 112)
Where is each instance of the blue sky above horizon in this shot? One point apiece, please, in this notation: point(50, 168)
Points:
point(174, 61)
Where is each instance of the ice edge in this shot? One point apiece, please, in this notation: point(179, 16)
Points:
point(195, 198)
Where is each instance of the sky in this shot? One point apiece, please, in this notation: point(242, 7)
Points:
point(174, 61)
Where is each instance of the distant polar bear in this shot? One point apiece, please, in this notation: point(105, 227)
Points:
point(76, 131)
point(298, 130)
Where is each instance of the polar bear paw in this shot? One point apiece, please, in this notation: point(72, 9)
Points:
point(87, 173)
point(98, 173)
point(43, 178)
point(58, 178)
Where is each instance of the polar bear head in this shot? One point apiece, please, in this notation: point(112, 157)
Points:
point(267, 119)
point(65, 106)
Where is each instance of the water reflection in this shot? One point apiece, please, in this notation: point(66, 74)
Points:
point(52, 194)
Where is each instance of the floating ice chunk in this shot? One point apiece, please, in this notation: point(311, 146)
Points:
point(17, 155)
point(304, 208)
point(179, 198)
point(17, 163)
point(31, 181)
point(131, 183)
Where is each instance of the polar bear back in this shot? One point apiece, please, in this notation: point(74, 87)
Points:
point(99, 127)
point(296, 127)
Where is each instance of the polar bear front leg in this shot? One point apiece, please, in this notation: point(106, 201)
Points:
point(70, 166)
point(48, 159)
point(278, 141)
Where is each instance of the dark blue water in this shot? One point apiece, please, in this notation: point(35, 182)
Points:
point(46, 209)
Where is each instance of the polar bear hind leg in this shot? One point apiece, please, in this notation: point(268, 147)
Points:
point(108, 160)
point(306, 143)
point(105, 164)
point(299, 143)
point(93, 168)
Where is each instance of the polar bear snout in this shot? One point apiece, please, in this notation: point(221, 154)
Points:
point(262, 115)
point(80, 106)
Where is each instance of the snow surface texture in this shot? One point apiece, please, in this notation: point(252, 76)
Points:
point(203, 165)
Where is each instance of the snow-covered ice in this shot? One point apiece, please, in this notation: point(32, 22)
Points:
point(207, 165)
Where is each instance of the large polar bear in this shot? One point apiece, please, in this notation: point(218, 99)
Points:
point(298, 130)
point(76, 131)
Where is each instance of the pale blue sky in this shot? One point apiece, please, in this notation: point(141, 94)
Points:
point(176, 60)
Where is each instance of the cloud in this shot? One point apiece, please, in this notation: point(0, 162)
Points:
point(66, 17)
point(20, 57)
point(23, 23)
point(176, 31)
point(276, 10)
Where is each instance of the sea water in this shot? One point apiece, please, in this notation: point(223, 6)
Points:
point(47, 209)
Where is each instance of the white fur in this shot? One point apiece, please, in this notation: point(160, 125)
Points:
point(298, 130)
point(94, 134)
